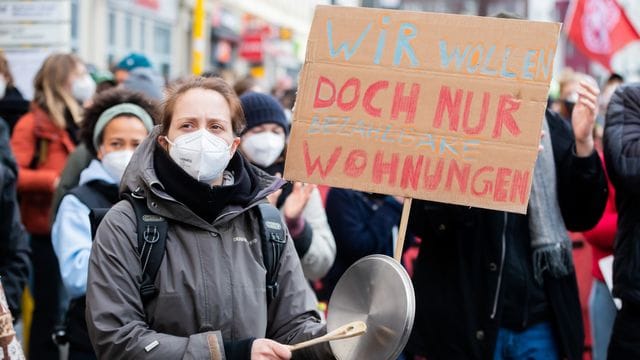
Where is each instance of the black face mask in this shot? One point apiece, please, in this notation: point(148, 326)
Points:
point(569, 106)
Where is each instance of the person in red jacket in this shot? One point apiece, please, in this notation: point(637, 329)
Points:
point(602, 310)
point(42, 140)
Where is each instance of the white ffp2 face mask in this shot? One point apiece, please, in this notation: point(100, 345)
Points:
point(264, 148)
point(83, 88)
point(201, 154)
point(116, 162)
point(3, 86)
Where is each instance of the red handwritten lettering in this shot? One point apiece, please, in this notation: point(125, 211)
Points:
point(487, 183)
point(380, 168)
point(411, 172)
point(452, 107)
point(461, 175)
point(519, 186)
point(322, 103)
point(502, 181)
point(506, 106)
point(347, 106)
point(369, 94)
point(431, 182)
point(356, 163)
point(311, 168)
point(403, 103)
point(486, 99)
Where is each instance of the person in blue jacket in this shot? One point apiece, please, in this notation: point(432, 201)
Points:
point(114, 125)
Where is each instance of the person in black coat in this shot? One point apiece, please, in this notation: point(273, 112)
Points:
point(14, 242)
point(363, 224)
point(622, 156)
point(482, 289)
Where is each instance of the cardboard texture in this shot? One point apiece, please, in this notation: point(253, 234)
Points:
point(430, 106)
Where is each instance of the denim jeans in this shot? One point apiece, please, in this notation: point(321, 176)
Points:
point(602, 314)
point(535, 342)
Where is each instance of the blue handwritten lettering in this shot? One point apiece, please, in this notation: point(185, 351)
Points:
point(344, 47)
point(403, 46)
point(445, 57)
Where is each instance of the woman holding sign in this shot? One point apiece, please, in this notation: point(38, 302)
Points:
point(209, 297)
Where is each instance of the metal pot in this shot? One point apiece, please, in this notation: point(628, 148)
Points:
point(377, 290)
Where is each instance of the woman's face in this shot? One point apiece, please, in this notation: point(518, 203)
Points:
point(263, 144)
point(268, 127)
point(124, 132)
point(203, 109)
point(78, 73)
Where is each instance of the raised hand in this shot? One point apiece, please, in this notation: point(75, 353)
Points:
point(583, 117)
point(297, 200)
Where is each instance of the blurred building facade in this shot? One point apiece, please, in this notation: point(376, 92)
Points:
point(264, 38)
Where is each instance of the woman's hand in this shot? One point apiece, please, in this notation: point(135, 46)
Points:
point(265, 349)
point(583, 118)
point(297, 200)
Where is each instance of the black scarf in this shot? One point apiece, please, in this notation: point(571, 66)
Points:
point(72, 128)
point(287, 188)
point(205, 200)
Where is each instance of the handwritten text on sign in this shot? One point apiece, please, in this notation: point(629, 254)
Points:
point(431, 106)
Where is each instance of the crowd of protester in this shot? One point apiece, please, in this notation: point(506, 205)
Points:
point(203, 155)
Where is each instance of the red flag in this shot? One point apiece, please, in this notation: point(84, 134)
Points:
point(599, 28)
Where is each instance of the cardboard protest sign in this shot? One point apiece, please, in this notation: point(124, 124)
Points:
point(431, 106)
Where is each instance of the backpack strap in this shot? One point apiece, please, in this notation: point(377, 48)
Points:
point(95, 217)
point(152, 241)
point(92, 195)
point(273, 242)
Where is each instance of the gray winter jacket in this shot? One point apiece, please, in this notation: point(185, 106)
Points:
point(211, 281)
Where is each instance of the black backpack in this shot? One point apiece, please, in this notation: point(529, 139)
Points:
point(152, 233)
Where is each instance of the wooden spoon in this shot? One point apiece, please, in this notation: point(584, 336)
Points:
point(349, 330)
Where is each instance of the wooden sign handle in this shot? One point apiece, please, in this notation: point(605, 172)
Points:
point(352, 329)
point(406, 209)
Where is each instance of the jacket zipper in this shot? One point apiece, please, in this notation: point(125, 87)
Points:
point(251, 205)
point(504, 242)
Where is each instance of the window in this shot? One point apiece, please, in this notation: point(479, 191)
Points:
point(142, 35)
point(162, 40)
point(74, 26)
point(128, 34)
point(112, 29)
point(74, 20)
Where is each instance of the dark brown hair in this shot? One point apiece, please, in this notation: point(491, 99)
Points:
point(49, 88)
point(110, 98)
point(176, 90)
point(4, 69)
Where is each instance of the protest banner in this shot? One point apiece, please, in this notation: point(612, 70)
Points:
point(439, 107)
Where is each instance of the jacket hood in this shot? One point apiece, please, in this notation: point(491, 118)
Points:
point(140, 177)
point(95, 171)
